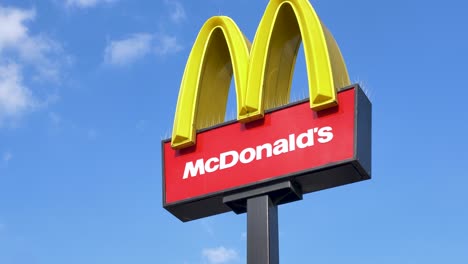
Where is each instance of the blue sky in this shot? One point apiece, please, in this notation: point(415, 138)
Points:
point(88, 89)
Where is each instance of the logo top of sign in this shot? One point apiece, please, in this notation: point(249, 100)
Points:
point(262, 71)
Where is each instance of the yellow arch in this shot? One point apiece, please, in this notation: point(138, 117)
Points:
point(207, 77)
point(274, 52)
point(263, 79)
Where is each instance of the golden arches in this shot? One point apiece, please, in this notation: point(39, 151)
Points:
point(263, 76)
point(219, 50)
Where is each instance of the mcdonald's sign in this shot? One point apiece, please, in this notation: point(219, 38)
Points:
point(318, 143)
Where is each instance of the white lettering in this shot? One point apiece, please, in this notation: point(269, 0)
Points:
point(292, 142)
point(266, 147)
point(243, 155)
point(310, 139)
point(325, 134)
point(194, 170)
point(235, 158)
point(281, 146)
point(211, 168)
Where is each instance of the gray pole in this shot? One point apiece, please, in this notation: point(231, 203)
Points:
point(262, 231)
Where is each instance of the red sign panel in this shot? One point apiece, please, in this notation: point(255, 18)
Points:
point(290, 141)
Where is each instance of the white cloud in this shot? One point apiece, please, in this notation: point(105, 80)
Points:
point(125, 51)
point(15, 98)
point(22, 50)
point(86, 3)
point(45, 55)
point(219, 255)
point(128, 50)
point(13, 29)
point(177, 12)
point(167, 45)
point(16, 43)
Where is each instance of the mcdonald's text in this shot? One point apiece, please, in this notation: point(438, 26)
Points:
point(281, 146)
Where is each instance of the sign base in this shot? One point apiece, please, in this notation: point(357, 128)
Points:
point(262, 231)
point(279, 193)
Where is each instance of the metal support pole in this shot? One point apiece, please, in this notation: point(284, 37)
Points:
point(262, 231)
